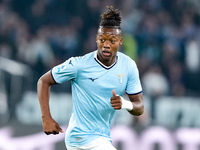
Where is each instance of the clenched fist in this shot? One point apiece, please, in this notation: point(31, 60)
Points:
point(116, 101)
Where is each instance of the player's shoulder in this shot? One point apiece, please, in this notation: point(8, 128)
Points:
point(82, 58)
point(126, 59)
point(88, 55)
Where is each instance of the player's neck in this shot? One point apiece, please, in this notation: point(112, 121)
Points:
point(107, 63)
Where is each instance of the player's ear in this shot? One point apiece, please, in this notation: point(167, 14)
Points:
point(121, 41)
point(96, 38)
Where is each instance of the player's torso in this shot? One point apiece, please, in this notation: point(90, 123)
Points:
point(98, 79)
point(97, 82)
point(92, 90)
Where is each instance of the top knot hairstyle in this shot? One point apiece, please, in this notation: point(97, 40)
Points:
point(111, 18)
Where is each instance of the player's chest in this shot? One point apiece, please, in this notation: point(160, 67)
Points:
point(103, 78)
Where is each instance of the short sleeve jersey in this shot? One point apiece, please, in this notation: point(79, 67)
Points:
point(92, 85)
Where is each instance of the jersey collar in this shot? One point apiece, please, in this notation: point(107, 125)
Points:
point(104, 66)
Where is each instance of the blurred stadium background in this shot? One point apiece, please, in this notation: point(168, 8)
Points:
point(162, 36)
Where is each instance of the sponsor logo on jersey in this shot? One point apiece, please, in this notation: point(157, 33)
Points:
point(92, 79)
point(70, 62)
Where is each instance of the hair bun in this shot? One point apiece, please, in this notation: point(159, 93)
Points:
point(111, 17)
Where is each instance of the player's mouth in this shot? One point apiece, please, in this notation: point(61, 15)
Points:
point(106, 53)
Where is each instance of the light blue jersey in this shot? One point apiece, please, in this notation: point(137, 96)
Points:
point(92, 85)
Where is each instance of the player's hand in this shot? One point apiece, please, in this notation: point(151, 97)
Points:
point(116, 101)
point(50, 126)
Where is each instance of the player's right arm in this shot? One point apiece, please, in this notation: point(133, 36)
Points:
point(50, 126)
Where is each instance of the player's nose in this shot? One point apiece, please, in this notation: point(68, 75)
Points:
point(106, 45)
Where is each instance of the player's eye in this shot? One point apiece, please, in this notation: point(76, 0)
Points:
point(102, 40)
point(112, 41)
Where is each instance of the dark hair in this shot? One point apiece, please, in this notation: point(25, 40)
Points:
point(111, 18)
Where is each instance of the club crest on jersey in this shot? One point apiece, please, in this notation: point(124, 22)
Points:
point(120, 77)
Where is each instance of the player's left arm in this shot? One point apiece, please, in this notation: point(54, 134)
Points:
point(135, 106)
point(137, 102)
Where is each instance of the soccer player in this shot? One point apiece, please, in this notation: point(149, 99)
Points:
point(98, 79)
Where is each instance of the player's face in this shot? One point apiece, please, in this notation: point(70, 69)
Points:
point(108, 42)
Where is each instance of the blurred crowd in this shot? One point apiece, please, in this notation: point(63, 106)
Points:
point(162, 36)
